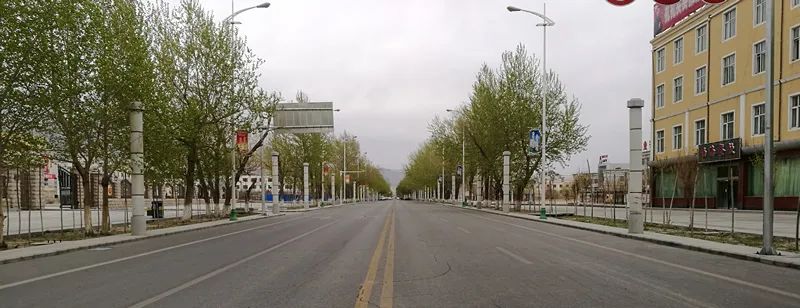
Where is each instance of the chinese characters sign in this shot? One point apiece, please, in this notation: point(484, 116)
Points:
point(719, 151)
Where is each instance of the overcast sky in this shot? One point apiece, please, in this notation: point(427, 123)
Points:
point(391, 66)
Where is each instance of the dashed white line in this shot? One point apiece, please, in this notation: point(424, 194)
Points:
point(223, 269)
point(464, 230)
point(513, 255)
point(443, 220)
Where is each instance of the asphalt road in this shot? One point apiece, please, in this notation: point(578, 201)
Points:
point(394, 253)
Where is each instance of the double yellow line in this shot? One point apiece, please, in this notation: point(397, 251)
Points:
point(387, 288)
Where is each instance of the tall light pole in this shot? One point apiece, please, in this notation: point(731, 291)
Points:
point(767, 248)
point(547, 22)
point(229, 20)
point(463, 164)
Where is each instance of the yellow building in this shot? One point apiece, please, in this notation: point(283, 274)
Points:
point(708, 86)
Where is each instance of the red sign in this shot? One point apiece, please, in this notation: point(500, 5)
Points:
point(620, 2)
point(241, 140)
point(325, 169)
point(667, 15)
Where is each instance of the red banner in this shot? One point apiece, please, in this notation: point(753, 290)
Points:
point(667, 15)
point(347, 179)
point(241, 140)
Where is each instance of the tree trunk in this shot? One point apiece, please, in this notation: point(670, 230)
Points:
point(215, 196)
point(691, 211)
point(228, 196)
point(86, 182)
point(2, 214)
point(672, 199)
point(191, 167)
point(105, 227)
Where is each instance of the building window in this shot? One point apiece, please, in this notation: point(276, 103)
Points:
point(727, 125)
point(677, 137)
point(660, 60)
point(677, 93)
point(760, 12)
point(759, 57)
point(795, 3)
point(729, 24)
point(660, 96)
point(795, 52)
point(794, 111)
point(678, 56)
point(699, 132)
point(660, 141)
point(729, 69)
point(700, 80)
point(700, 42)
point(758, 119)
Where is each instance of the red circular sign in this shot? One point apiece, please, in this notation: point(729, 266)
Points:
point(714, 1)
point(620, 2)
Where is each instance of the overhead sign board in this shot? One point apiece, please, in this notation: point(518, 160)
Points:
point(304, 118)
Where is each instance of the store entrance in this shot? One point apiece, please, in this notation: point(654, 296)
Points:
point(728, 187)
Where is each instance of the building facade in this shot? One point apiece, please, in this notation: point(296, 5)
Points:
point(708, 87)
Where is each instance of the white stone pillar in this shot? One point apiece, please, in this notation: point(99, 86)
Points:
point(276, 189)
point(635, 219)
point(305, 186)
point(506, 180)
point(138, 220)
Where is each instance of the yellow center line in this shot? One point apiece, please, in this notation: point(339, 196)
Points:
point(366, 288)
point(387, 291)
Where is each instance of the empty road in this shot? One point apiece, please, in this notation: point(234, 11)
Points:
point(394, 253)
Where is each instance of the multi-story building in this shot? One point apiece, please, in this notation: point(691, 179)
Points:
point(708, 87)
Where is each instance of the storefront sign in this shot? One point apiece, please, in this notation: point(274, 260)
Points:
point(719, 151)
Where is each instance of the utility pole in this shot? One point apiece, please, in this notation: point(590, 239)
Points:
point(767, 247)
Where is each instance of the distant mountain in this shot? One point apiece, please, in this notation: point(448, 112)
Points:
point(392, 176)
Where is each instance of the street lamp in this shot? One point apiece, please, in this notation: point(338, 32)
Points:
point(547, 22)
point(463, 164)
point(234, 192)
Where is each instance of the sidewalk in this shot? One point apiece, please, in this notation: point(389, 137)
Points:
point(13, 255)
point(745, 221)
point(787, 259)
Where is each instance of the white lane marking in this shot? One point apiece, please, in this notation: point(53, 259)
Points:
point(662, 262)
point(464, 230)
point(443, 220)
point(83, 268)
point(224, 268)
point(513, 255)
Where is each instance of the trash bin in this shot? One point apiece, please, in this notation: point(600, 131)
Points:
point(542, 213)
point(157, 209)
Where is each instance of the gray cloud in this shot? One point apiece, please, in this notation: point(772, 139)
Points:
point(391, 66)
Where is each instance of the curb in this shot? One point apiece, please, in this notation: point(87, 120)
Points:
point(753, 257)
point(126, 240)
